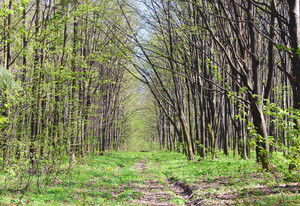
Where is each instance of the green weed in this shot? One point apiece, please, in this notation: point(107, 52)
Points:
point(113, 179)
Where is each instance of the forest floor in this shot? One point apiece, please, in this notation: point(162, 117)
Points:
point(161, 178)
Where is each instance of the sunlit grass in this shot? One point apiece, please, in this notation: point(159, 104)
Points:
point(108, 180)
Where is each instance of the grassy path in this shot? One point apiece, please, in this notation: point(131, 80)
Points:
point(161, 178)
point(155, 192)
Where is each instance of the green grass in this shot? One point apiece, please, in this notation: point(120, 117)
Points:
point(109, 180)
point(97, 181)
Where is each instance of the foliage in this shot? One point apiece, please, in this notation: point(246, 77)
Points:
point(285, 121)
point(81, 78)
point(62, 87)
point(8, 81)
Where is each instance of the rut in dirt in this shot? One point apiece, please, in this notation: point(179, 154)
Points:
point(159, 194)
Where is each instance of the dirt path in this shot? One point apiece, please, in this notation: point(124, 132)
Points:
point(167, 193)
point(156, 193)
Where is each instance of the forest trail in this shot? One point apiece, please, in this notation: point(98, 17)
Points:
point(155, 192)
point(157, 179)
point(162, 183)
point(93, 95)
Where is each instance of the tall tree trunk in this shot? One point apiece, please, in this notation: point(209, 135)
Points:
point(73, 110)
point(8, 38)
point(294, 31)
point(255, 99)
point(35, 89)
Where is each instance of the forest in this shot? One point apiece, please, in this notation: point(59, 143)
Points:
point(103, 102)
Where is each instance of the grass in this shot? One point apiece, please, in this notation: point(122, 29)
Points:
point(113, 179)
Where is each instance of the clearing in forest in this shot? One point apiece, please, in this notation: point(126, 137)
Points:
point(161, 178)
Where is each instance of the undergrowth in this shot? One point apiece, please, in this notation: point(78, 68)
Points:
point(109, 179)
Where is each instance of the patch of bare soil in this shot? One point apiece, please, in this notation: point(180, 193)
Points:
point(156, 193)
point(141, 165)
